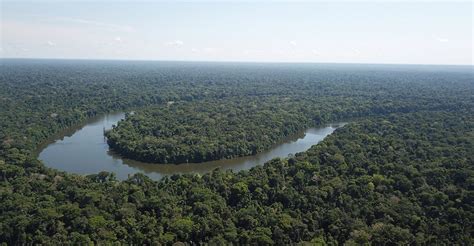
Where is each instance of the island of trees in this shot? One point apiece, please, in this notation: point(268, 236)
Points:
point(401, 172)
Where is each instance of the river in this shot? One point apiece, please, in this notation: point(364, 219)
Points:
point(84, 150)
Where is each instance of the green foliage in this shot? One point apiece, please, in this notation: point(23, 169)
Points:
point(400, 173)
point(185, 132)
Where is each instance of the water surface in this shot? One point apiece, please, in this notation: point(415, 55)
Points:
point(84, 150)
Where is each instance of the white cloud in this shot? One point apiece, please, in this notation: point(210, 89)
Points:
point(441, 40)
point(118, 39)
point(51, 43)
point(98, 24)
point(315, 52)
point(175, 43)
point(252, 52)
point(194, 50)
point(293, 43)
point(210, 50)
point(356, 51)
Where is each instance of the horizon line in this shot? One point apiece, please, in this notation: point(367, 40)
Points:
point(232, 61)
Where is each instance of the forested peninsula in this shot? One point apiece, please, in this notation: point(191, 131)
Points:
point(401, 172)
point(202, 131)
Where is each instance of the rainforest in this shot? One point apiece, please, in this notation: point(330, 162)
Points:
point(401, 171)
point(197, 132)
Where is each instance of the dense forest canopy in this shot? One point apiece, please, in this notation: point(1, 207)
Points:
point(402, 172)
point(182, 132)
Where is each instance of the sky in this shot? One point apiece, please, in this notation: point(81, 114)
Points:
point(399, 32)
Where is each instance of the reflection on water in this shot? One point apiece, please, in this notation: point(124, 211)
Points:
point(85, 151)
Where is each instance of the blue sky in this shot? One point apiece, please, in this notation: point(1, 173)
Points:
point(342, 32)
